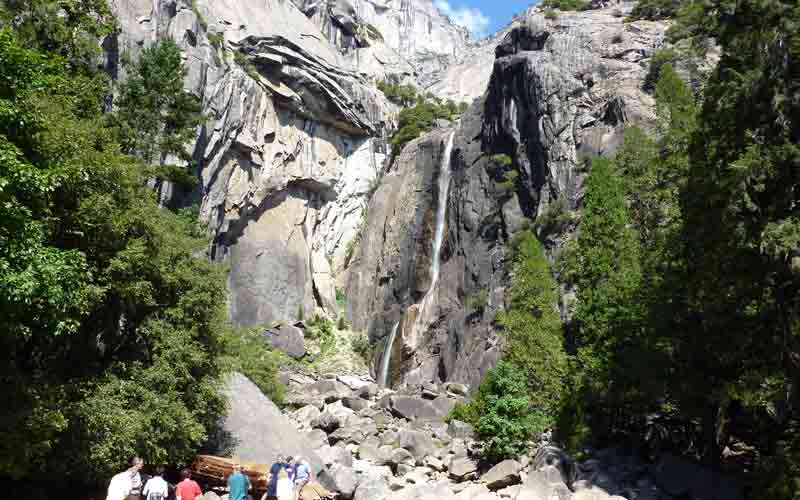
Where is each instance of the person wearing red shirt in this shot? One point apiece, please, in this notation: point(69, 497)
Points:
point(187, 489)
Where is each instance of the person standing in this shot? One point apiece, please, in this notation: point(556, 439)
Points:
point(238, 484)
point(156, 488)
point(302, 475)
point(284, 487)
point(187, 489)
point(122, 485)
point(136, 478)
point(272, 483)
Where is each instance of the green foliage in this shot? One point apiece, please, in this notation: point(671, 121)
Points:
point(201, 19)
point(320, 329)
point(216, 39)
point(248, 352)
point(112, 328)
point(403, 95)
point(654, 10)
point(360, 345)
point(341, 298)
point(659, 59)
point(550, 14)
point(501, 160)
point(155, 117)
point(521, 396)
point(502, 413)
point(567, 4)
point(418, 119)
point(477, 301)
point(555, 218)
point(509, 182)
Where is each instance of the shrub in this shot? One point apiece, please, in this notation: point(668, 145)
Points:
point(341, 298)
point(501, 160)
point(321, 330)
point(247, 351)
point(567, 4)
point(654, 10)
point(360, 345)
point(555, 217)
point(550, 14)
point(509, 182)
point(476, 302)
point(403, 95)
point(216, 39)
point(416, 120)
point(659, 59)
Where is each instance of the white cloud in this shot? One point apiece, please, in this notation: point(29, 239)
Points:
point(472, 19)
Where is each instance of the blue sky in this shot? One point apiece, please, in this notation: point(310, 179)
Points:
point(482, 17)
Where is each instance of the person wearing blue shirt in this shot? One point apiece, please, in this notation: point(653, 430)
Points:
point(272, 488)
point(238, 484)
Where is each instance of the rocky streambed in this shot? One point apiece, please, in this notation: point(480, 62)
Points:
point(371, 443)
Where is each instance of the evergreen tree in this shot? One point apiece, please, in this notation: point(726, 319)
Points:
point(154, 116)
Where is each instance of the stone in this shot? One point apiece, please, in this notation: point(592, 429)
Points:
point(339, 478)
point(390, 437)
point(327, 421)
point(677, 476)
point(317, 438)
point(369, 391)
point(459, 429)
point(255, 430)
point(418, 443)
point(420, 475)
point(472, 491)
point(401, 456)
point(355, 404)
point(305, 415)
point(462, 468)
point(413, 408)
point(371, 450)
point(335, 455)
point(287, 339)
point(556, 457)
point(434, 463)
point(427, 394)
point(456, 388)
point(372, 489)
point(537, 486)
point(509, 491)
point(403, 469)
point(353, 382)
point(506, 473)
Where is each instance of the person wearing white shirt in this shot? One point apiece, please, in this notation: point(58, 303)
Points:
point(156, 488)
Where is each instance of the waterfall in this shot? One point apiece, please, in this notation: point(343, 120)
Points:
point(383, 374)
point(438, 239)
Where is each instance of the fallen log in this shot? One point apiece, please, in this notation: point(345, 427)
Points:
point(215, 471)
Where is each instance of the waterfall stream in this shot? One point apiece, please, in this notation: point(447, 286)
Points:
point(438, 238)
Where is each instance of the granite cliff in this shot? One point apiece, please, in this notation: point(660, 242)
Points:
point(296, 181)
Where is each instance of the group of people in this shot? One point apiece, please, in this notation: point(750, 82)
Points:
point(285, 481)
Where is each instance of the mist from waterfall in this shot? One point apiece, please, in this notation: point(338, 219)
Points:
point(438, 239)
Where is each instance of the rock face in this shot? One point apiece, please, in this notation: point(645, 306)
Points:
point(560, 92)
point(255, 430)
point(294, 140)
point(390, 38)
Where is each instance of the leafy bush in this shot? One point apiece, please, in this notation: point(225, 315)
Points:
point(216, 39)
point(555, 218)
point(654, 10)
point(501, 160)
point(567, 4)
point(659, 59)
point(321, 329)
point(361, 345)
point(522, 395)
point(502, 413)
point(404, 95)
point(248, 352)
point(509, 182)
point(418, 119)
point(550, 14)
point(477, 301)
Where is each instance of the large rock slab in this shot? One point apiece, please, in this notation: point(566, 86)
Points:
point(287, 339)
point(417, 409)
point(420, 444)
point(255, 430)
point(503, 474)
point(463, 468)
